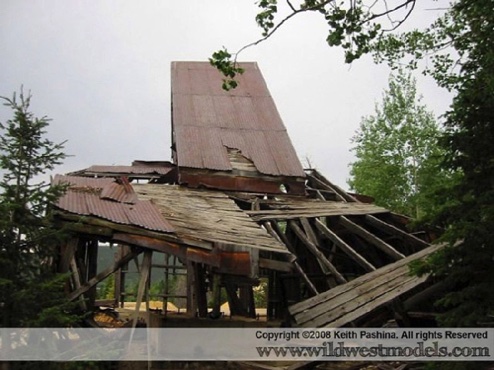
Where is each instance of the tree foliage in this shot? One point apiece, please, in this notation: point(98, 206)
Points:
point(398, 156)
point(469, 267)
point(31, 294)
point(355, 26)
point(460, 53)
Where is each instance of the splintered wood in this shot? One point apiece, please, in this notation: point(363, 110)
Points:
point(208, 215)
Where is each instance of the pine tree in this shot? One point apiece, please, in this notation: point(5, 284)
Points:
point(31, 293)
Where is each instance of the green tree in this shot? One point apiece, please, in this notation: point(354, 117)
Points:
point(398, 157)
point(459, 49)
point(31, 294)
point(469, 214)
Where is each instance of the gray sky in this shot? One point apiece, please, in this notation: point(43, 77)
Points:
point(101, 71)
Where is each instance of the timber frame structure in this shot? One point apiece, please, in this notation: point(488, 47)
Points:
point(233, 208)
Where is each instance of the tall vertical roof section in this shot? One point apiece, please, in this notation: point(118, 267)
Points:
point(207, 122)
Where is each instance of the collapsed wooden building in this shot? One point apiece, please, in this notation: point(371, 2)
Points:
point(235, 207)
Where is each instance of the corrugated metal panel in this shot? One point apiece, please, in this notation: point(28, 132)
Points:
point(119, 192)
point(207, 120)
point(75, 181)
point(85, 197)
point(131, 170)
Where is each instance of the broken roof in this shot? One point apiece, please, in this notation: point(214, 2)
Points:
point(207, 121)
point(111, 200)
point(207, 215)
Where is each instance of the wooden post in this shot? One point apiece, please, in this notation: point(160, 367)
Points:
point(216, 312)
point(246, 296)
point(142, 288)
point(200, 287)
point(191, 292)
point(76, 275)
point(92, 268)
point(119, 279)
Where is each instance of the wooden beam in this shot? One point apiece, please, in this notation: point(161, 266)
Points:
point(393, 230)
point(68, 252)
point(151, 243)
point(271, 264)
point(103, 274)
point(142, 287)
point(77, 281)
point(327, 187)
point(344, 246)
point(317, 253)
point(281, 237)
point(316, 174)
point(114, 227)
point(371, 238)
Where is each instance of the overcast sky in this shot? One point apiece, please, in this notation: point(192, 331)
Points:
point(101, 71)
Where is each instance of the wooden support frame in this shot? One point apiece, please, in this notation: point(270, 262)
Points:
point(142, 289)
point(278, 235)
point(371, 238)
point(347, 249)
point(316, 252)
point(393, 230)
point(103, 274)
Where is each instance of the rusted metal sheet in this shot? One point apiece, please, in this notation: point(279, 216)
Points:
point(207, 120)
point(86, 197)
point(120, 191)
point(253, 184)
point(139, 169)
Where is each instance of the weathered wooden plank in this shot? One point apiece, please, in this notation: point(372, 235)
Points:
point(371, 238)
point(113, 227)
point(276, 265)
point(317, 253)
point(344, 246)
point(207, 215)
point(393, 230)
point(340, 303)
point(328, 295)
point(290, 214)
point(379, 302)
point(103, 274)
point(77, 281)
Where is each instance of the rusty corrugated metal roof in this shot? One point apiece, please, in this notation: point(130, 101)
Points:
point(207, 120)
point(131, 170)
point(111, 200)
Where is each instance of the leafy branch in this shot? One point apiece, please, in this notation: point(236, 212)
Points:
point(351, 26)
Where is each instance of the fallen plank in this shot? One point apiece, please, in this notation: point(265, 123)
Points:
point(330, 294)
point(349, 302)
